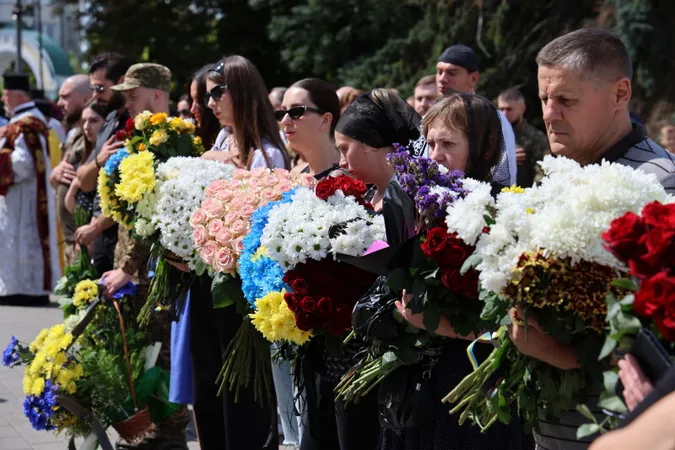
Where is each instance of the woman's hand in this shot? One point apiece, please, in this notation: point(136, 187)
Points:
point(535, 342)
point(176, 262)
point(416, 320)
point(636, 385)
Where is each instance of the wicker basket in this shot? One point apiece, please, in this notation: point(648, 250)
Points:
point(140, 424)
point(135, 427)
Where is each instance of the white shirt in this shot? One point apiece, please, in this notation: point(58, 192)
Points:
point(510, 144)
point(21, 266)
point(274, 154)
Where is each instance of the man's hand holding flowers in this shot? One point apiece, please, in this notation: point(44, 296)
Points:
point(531, 340)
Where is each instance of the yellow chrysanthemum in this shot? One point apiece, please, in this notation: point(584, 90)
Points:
point(27, 384)
point(275, 321)
point(104, 193)
point(158, 118)
point(38, 386)
point(137, 177)
point(197, 141)
point(85, 292)
point(158, 137)
point(141, 147)
point(38, 340)
point(514, 189)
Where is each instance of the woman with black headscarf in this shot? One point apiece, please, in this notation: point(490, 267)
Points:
point(463, 133)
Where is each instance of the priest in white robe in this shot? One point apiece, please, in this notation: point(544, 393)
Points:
point(29, 262)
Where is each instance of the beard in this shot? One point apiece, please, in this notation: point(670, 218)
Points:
point(116, 101)
point(74, 117)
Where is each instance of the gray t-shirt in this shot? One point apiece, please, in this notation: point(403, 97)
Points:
point(635, 150)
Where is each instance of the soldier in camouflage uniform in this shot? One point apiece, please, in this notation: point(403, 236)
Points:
point(146, 87)
point(531, 143)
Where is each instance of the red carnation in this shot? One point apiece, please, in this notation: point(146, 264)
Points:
point(658, 215)
point(120, 135)
point(623, 235)
point(129, 126)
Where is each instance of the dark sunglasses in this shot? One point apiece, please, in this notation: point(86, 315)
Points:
point(216, 93)
point(295, 113)
point(97, 87)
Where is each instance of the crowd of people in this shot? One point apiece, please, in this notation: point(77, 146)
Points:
point(584, 82)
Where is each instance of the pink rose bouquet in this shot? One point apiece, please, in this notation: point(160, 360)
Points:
point(223, 220)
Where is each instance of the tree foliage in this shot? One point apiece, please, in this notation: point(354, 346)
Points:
point(378, 43)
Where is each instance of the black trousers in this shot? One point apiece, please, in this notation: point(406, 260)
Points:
point(333, 426)
point(223, 424)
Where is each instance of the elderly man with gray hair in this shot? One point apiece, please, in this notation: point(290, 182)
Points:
point(585, 88)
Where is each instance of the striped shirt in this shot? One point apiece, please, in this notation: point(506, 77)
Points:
point(635, 150)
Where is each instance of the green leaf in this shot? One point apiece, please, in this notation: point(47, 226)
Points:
point(432, 317)
point(587, 429)
point(472, 261)
point(607, 348)
point(628, 300)
point(399, 279)
point(419, 288)
point(613, 404)
point(225, 290)
point(625, 283)
point(626, 323)
point(433, 274)
point(489, 221)
point(610, 378)
point(584, 411)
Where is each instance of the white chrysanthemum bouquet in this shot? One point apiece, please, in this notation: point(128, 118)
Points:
point(164, 216)
point(542, 261)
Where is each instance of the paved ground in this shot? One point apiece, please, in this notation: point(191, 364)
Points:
point(16, 433)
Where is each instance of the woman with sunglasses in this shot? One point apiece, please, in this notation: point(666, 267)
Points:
point(238, 98)
point(309, 112)
point(203, 333)
point(208, 126)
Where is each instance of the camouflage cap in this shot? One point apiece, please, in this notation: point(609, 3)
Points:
point(148, 75)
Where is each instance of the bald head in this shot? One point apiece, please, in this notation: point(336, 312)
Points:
point(73, 95)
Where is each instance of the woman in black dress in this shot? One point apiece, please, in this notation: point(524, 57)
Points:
point(463, 132)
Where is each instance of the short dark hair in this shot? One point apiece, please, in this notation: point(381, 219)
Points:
point(324, 96)
point(512, 95)
point(594, 53)
point(425, 80)
point(114, 64)
point(99, 108)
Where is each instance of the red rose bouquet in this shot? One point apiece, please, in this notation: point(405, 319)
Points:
point(646, 244)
